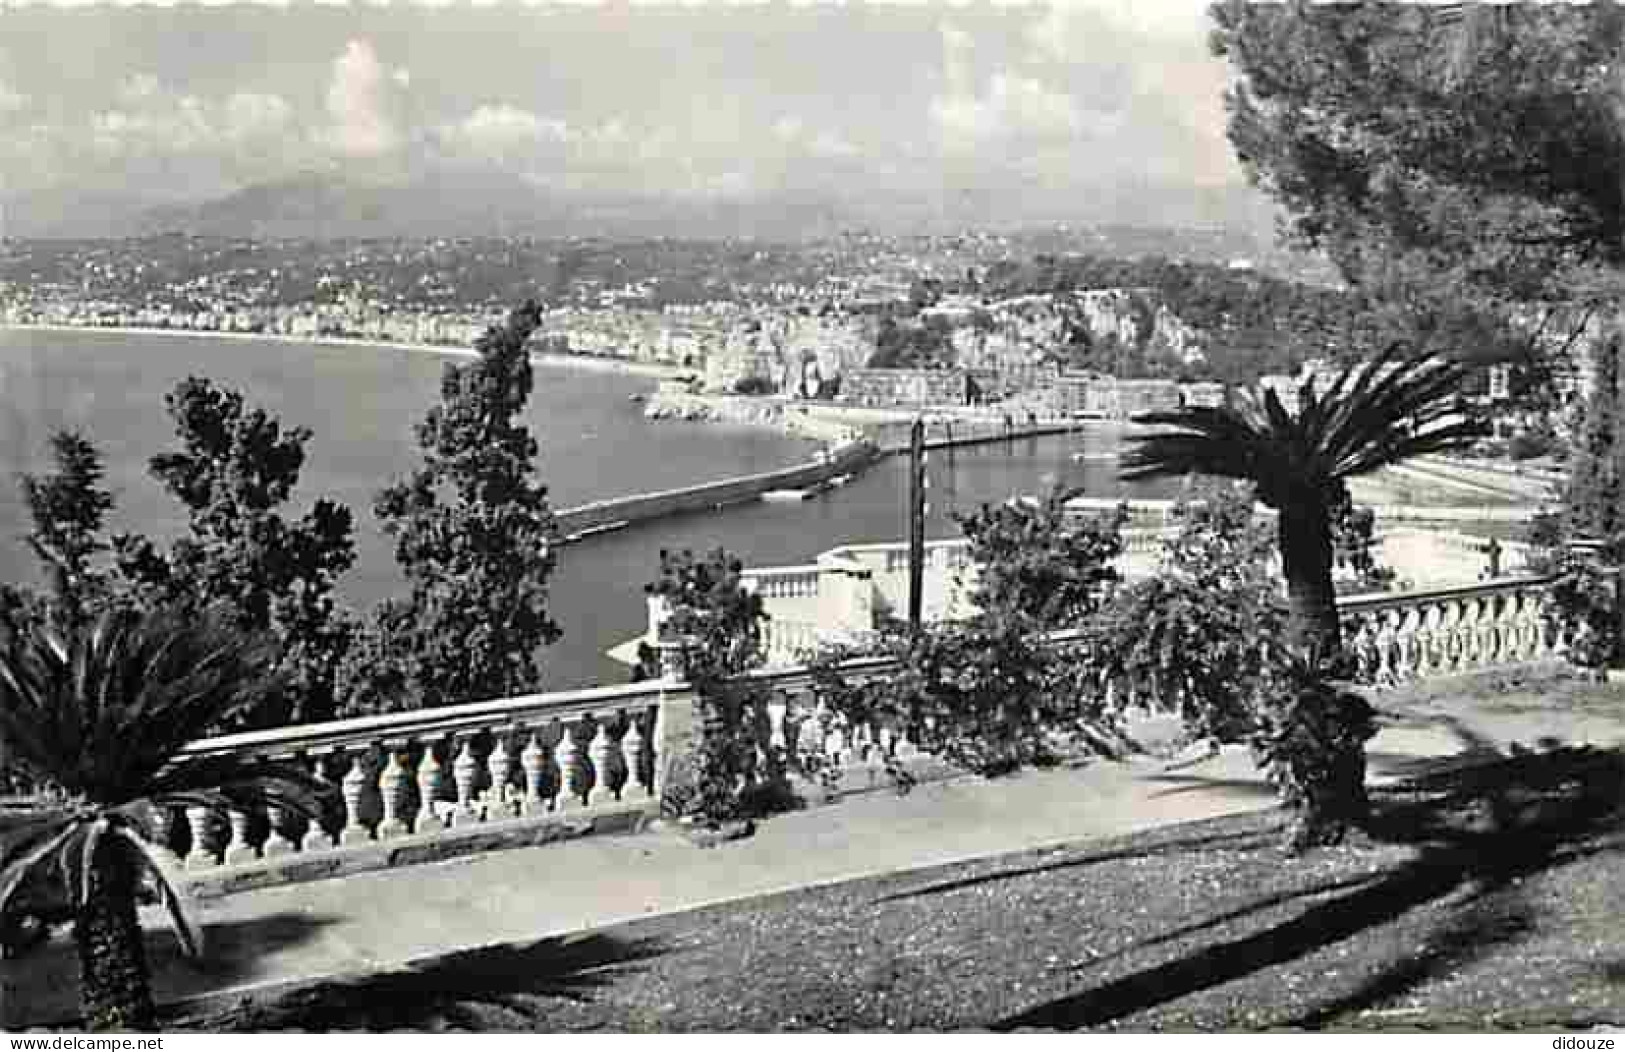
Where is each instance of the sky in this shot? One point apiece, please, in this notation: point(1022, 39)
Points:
point(710, 101)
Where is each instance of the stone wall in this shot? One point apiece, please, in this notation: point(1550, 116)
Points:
point(842, 460)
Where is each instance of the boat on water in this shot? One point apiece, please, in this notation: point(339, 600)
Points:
point(786, 496)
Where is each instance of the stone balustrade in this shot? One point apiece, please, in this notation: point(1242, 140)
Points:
point(1402, 637)
point(1162, 512)
point(784, 582)
point(789, 642)
point(422, 785)
point(1406, 636)
point(426, 785)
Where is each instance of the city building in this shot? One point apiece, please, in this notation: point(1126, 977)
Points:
point(908, 387)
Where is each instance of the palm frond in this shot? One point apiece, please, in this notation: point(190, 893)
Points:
point(1394, 406)
point(44, 846)
point(187, 930)
point(1416, 401)
point(88, 847)
point(226, 782)
point(1209, 441)
point(101, 709)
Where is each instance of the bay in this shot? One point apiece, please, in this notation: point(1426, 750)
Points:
point(362, 404)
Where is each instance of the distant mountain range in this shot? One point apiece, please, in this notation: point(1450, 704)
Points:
point(482, 203)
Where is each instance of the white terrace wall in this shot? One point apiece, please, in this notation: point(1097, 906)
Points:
point(849, 588)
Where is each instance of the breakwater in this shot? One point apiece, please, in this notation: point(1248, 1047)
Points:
point(974, 433)
point(846, 459)
point(851, 454)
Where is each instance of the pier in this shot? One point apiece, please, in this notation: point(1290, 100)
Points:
point(618, 512)
point(847, 459)
point(955, 434)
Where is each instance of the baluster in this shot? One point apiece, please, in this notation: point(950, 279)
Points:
point(201, 856)
point(277, 841)
point(1429, 621)
point(317, 838)
point(812, 732)
point(1477, 620)
point(392, 788)
point(778, 711)
point(238, 849)
point(835, 744)
point(1506, 643)
point(499, 765)
point(1382, 644)
point(1466, 639)
point(1409, 646)
point(1449, 651)
point(465, 774)
point(1466, 633)
point(1495, 630)
point(633, 745)
point(1356, 631)
point(1425, 642)
point(431, 778)
point(602, 754)
point(537, 766)
point(1525, 645)
point(353, 788)
point(572, 768)
point(163, 833)
point(1542, 643)
point(1371, 648)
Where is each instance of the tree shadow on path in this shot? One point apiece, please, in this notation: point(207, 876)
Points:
point(1475, 831)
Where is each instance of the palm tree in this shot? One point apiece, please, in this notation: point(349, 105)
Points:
point(99, 712)
point(1373, 415)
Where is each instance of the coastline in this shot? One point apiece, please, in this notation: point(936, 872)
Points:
point(647, 370)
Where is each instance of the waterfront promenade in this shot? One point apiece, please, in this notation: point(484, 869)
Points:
point(621, 366)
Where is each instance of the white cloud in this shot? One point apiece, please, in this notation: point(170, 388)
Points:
point(1151, 67)
point(152, 120)
point(153, 131)
point(503, 131)
point(360, 103)
point(1014, 107)
point(1075, 29)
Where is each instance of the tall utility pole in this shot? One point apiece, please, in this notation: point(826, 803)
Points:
point(916, 522)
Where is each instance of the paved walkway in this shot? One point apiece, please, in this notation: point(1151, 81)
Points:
point(386, 919)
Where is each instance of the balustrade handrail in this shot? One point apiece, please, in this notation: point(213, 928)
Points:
point(1385, 600)
point(436, 722)
point(781, 571)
